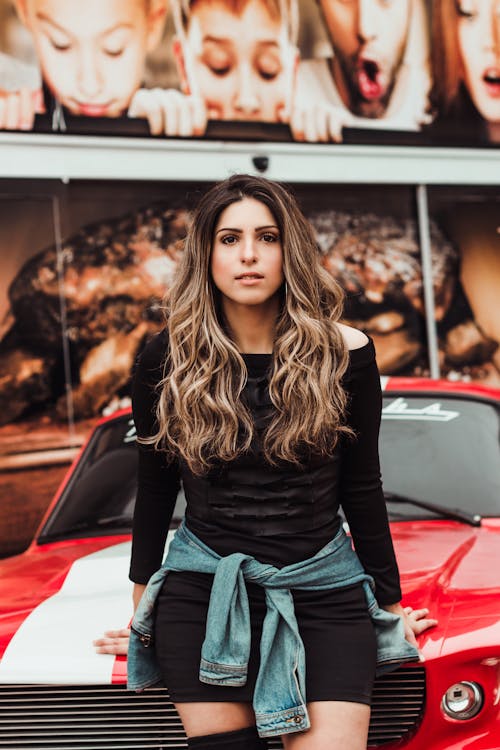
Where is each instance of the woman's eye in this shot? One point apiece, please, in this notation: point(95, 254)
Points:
point(270, 237)
point(229, 239)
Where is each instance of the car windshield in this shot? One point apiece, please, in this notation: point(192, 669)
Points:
point(442, 450)
point(99, 498)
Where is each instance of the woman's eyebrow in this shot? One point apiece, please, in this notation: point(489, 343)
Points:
point(228, 229)
point(238, 231)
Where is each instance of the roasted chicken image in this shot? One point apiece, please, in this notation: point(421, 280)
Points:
point(98, 298)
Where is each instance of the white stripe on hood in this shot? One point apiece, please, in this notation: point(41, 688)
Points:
point(54, 643)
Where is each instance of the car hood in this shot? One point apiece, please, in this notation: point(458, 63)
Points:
point(56, 599)
point(453, 569)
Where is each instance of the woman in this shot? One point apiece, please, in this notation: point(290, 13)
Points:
point(466, 50)
point(268, 408)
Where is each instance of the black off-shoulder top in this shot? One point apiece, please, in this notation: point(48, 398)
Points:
point(277, 515)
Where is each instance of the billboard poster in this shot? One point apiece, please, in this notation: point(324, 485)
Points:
point(314, 71)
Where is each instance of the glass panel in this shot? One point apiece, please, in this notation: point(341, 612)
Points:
point(33, 441)
point(441, 450)
point(469, 326)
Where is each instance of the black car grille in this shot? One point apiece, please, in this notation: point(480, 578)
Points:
point(101, 717)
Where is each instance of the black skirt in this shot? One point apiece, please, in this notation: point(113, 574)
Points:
point(335, 626)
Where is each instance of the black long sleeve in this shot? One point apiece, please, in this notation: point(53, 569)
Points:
point(361, 494)
point(158, 481)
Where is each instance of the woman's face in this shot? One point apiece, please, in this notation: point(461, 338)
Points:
point(241, 65)
point(479, 43)
point(246, 261)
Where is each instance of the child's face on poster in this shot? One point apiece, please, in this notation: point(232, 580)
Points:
point(479, 42)
point(368, 38)
point(91, 52)
point(242, 65)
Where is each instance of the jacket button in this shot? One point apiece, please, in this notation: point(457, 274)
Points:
point(297, 719)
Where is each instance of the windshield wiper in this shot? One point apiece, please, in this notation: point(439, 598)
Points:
point(473, 519)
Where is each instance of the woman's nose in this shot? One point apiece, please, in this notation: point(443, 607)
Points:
point(248, 250)
point(246, 100)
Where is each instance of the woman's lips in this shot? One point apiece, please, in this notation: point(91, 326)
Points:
point(370, 79)
point(249, 279)
point(491, 80)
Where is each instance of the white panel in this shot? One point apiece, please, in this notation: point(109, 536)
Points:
point(30, 155)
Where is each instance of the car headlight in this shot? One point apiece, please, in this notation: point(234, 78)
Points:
point(463, 700)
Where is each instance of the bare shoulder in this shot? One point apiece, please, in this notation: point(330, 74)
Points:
point(353, 337)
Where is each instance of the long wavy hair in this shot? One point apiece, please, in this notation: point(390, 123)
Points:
point(201, 415)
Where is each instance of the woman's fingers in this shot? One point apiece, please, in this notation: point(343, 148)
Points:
point(418, 620)
point(113, 642)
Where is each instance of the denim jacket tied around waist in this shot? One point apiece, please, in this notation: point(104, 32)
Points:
point(279, 699)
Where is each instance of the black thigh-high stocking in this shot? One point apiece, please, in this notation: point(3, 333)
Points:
point(241, 739)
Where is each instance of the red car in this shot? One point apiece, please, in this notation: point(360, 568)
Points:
point(441, 470)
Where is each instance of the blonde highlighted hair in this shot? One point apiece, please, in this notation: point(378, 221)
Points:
point(201, 415)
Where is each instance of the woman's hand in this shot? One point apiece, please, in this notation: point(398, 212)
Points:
point(116, 641)
point(415, 621)
point(113, 642)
